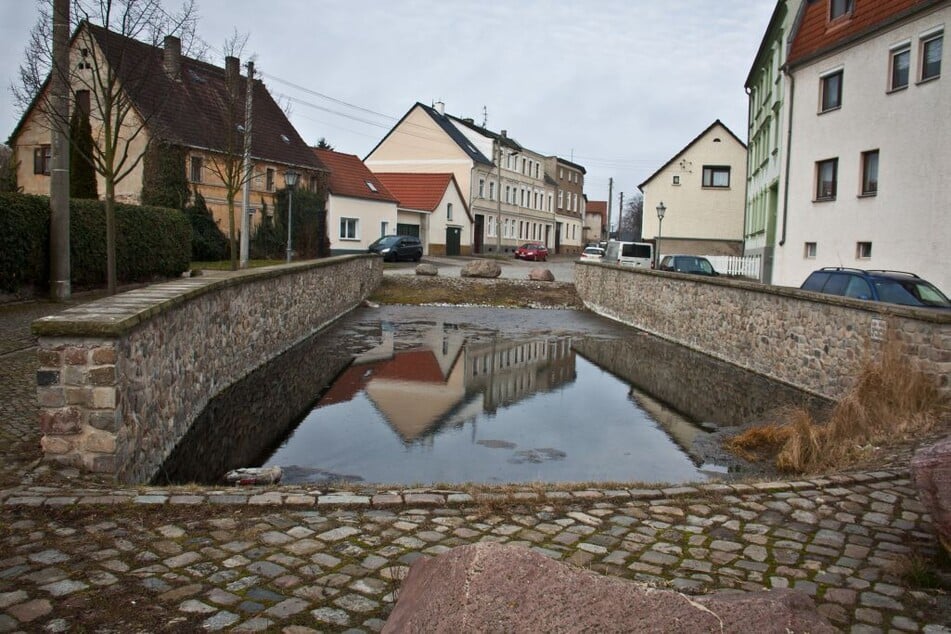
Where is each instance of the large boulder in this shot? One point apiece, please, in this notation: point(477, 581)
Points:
point(541, 275)
point(481, 268)
point(426, 269)
point(931, 472)
point(490, 587)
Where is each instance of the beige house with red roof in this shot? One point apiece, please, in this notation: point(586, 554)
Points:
point(595, 221)
point(360, 208)
point(870, 133)
point(174, 100)
point(435, 204)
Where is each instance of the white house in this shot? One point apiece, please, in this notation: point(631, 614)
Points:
point(435, 204)
point(703, 189)
point(870, 141)
point(359, 207)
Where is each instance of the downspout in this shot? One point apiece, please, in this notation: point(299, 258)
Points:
point(789, 124)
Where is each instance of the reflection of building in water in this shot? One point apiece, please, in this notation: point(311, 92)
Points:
point(681, 430)
point(508, 371)
point(444, 381)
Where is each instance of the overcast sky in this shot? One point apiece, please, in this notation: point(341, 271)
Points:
point(618, 86)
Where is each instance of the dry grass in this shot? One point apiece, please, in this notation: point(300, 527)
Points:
point(890, 402)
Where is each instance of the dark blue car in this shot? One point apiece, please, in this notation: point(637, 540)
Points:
point(893, 287)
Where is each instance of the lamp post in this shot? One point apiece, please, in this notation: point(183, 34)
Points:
point(290, 180)
point(661, 210)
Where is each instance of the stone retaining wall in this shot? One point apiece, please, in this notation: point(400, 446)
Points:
point(814, 342)
point(121, 379)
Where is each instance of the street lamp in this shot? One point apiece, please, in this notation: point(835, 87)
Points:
point(290, 181)
point(661, 210)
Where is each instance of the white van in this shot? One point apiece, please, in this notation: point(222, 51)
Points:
point(636, 254)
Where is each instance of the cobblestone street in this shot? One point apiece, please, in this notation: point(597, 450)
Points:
point(77, 555)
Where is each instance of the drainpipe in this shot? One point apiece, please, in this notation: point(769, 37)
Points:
point(792, 94)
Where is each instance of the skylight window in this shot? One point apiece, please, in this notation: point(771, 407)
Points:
point(285, 139)
point(371, 186)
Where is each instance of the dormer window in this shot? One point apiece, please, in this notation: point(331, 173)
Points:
point(840, 8)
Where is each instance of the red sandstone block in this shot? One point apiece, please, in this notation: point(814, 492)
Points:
point(103, 376)
point(104, 356)
point(49, 358)
point(75, 356)
point(60, 421)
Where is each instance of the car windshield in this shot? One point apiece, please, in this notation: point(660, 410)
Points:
point(531, 245)
point(910, 293)
point(594, 251)
point(386, 241)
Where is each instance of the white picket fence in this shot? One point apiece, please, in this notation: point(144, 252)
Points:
point(733, 265)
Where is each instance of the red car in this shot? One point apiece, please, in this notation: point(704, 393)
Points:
point(532, 251)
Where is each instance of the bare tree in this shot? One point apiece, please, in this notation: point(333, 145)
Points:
point(631, 218)
point(110, 74)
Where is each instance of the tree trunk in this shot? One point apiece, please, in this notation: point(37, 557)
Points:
point(110, 236)
point(232, 243)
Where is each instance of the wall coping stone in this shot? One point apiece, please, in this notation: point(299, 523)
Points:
point(117, 315)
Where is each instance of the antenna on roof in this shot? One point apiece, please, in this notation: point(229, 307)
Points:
point(485, 116)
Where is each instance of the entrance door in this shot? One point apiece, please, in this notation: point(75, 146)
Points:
point(453, 240)
point(477, 233)
point(558, 237)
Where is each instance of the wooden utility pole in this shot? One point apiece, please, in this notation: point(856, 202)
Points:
point(610, 196)
point(60, 286)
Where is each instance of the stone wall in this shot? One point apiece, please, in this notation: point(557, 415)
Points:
point(814, 342)
point(121, 379)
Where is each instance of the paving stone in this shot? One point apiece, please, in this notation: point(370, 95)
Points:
point(331, 616)
point(193, 606)
point(31, 610)
point(220, 621)
point(65, 587)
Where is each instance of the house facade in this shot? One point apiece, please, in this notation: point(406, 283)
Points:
point(509, 195)
point(435, 206)
point(870, 136)
point(569, 204)
point(360, 208)
point(595, 221)
point(767, 86)
point(703, 188)
point(169, 99)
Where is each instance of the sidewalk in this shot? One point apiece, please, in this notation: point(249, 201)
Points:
point(80, 555)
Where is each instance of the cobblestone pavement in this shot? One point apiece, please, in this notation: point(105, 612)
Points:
point(76, 555)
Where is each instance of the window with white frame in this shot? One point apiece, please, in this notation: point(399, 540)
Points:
point(490, 226)
point(508, 193)
point(549, 202)
point(348, 229)
point(196, 169)
point(863, 250)
point(931, 50)
point(43, 157)
point(830, 87)
point(561, 199)
point(481, 188)
point(384, 225)
point(491, 190)
point(899, 66)
point(448, 211)
point(809, 251)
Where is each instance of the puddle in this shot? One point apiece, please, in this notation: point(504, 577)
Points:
point(423, 395)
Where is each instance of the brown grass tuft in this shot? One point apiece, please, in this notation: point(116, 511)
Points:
point(890, 401)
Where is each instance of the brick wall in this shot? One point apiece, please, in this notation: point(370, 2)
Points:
point(811, 341)
point(121, 379)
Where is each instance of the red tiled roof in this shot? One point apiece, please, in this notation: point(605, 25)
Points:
point(422, 192)
point(816, 35)
point(418, 366)
point(597, 207)
point(349, 177)
point(190, 111)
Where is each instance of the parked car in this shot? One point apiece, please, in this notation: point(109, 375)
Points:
point(534, 251)
point(395, 248)
point(696, 264)
point(592, 253)
point(636, 254)
point(893, 287)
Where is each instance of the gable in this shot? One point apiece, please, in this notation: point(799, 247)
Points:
point(716, 130)
point(424, 134)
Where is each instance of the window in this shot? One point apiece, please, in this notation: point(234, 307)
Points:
point(348, 229)
point(676, 180)
point(931, 48)
point(536, 170)
point(508, 193)
point(839, 8)
point(491, 190)
point(371, 186)
point(863, 250)
point(41, 159)
point(490, 226)
point(810, 251)
point(313, 183)
point(269, 180)
point(561, 173)
point(481, 188)
point(383, 227)
point(899, 65)
point(826, 179)
point(831, 87)
point(448, 211)
point(561, 199)
point(870, 173)
point(716, 176)
point(524, 163)
point(196, 169)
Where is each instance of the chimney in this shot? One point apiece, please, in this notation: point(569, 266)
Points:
point(505, 134)
point(440, 108)
point(232, 73)
point(173, 57)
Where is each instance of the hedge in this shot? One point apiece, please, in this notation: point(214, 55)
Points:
point(151, 242)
